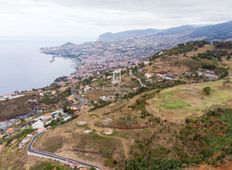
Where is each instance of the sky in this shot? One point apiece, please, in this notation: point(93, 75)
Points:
point(89, 18)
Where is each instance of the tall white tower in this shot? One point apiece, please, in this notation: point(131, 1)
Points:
point(116, 79)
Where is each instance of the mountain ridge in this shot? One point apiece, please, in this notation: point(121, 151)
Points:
point(219, 31)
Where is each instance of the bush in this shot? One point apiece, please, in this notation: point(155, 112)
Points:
point(207, 90)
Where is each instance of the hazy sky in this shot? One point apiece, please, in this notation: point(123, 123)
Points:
point(89, 18)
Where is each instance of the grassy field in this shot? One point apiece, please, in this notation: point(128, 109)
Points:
point(186, 100)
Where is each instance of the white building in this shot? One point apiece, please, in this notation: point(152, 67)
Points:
point(38, 125)
point(148, 75)
point(116, 78)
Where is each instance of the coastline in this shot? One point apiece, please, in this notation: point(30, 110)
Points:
point(24, 67)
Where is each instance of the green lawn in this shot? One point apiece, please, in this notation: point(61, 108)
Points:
point(177, 104)
point(190, 98)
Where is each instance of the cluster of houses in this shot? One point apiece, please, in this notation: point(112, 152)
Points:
point(107, 98)
point(5, 125)
point(167, 75)
point(48, 92)
point(40, 122)
point(37, 122)
point(203, 74)
point(207, 74)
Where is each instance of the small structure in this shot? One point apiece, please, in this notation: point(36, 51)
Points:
point(108, 131)
point(53, 92)
point(57, 114)
point(38, 125)
point(87, 131)
point(146, 62)
point(41, 94)
point(116, 79)
point(107, 122)
point(81, 123)
point(148, 75)
point(107, 98)
point(161, 53)
point(86, 88)
point(67, 118)
point(10, 131)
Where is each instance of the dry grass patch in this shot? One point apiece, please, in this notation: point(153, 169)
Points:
point(180, 102)
point(52, 144)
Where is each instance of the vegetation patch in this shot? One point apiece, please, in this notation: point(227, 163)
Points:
point(207, 139)
point(192, 98)
point(49, 166)
point(177, 104)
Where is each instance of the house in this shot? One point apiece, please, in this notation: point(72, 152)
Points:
point(37, 125)
point(74, 108)
point(10, 131)
point(41, 94)
point(45, 117)
point(146, 62)
point(107, 98)
point(53, 92)
point(57, 114)
point(161, 53)
point(67, 118)
point(148, 75)
point(41, 130)
point(87, 88)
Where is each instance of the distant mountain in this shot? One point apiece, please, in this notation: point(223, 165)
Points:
point(221, 31)
point(126, 35)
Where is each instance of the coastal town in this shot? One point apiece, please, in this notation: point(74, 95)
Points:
point(115, 85)
point(92, 57)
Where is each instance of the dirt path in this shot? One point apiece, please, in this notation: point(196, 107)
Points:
point(140, 82)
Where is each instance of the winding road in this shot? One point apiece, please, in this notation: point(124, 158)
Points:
point(37, 153)
point(140, 82)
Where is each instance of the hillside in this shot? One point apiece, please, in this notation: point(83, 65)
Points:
point(155, 127)
point(171, 111)
point(127, 35)
point(214, 32)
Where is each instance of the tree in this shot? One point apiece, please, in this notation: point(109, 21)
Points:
point(207, 90)
point(92, 168)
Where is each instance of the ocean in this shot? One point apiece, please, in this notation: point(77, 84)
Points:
point(24, 67)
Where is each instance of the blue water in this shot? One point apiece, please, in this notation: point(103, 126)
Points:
point(23, 66)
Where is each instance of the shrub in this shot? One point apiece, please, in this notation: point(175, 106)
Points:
point(207, 90)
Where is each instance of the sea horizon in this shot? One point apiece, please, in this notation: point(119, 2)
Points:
point(24, 67)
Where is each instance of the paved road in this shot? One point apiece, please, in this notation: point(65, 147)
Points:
point(140, 82)
point(34, 152)
point(82, 101)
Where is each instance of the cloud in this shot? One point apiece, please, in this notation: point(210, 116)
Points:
point(92, 17)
